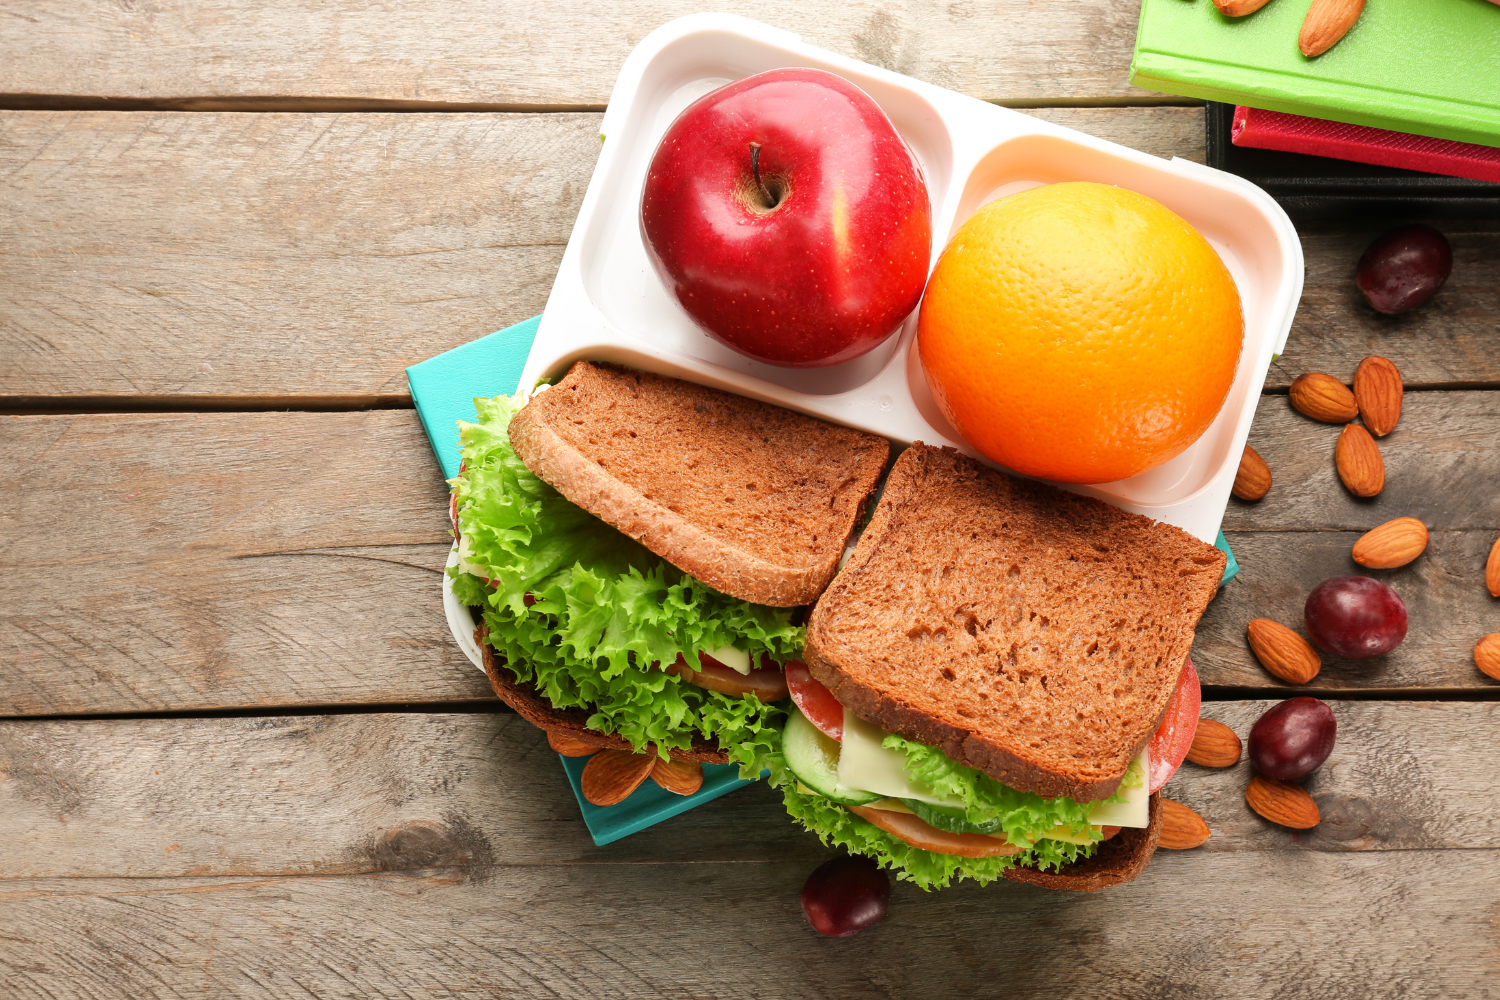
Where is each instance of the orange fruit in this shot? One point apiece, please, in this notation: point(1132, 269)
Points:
point(1080, 332)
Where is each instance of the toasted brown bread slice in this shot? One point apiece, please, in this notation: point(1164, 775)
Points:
point(529, 703)
point(1118, 860)
point(750, 498)
point(1033, 634)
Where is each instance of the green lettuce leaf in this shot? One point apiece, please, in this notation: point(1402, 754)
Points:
point(469, 589)
point(1021, 815)
point(838, 826)
point(585, 613)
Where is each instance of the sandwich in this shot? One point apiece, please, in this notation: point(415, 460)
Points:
point(638, 551)
point(983, 679)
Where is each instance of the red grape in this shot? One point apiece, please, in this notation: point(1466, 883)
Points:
point(1293, 739)
point(845, 895)
point(1355, 617)
point(1404, 268)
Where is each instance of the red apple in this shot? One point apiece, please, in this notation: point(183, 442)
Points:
point(789, 218)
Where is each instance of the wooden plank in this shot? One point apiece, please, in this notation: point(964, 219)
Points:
point(1448, 611)
point(1441, 464)
point(1250, 924)
point(274, 797)
point(196, 561)
point(1455, 338)
point(201, 560)
point(193, 257)
point(223, 260)
point(273, 255)
point(232, 53)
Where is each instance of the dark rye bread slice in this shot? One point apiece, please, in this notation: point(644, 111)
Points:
point(1033, 634)
point(1118, 860)
point(530, 705)
point(754, 500)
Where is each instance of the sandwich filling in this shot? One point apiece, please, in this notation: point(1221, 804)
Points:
point(592, 618)
point(915, 810)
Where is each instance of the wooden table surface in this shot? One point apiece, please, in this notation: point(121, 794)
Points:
point(241, 756)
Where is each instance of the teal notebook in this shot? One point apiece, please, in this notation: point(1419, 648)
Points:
point(443, 389)
point(1429, 67)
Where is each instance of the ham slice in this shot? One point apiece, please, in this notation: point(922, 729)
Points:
point(767, 682)
point(927, 837)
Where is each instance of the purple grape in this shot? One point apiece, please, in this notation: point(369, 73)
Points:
point(1293, 739)
point(1355, 617)
point(1404, 268)
point(845, 895)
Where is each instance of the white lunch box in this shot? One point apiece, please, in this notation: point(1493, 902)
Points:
point(608, 304)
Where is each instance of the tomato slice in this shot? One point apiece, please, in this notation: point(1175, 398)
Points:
point(1169, 747)
point(815, 700)
point(766, 682)
point(926, 837)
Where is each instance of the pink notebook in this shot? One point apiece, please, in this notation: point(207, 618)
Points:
point(1297, 134)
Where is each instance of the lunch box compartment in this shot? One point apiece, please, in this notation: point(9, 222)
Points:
point(617, 273)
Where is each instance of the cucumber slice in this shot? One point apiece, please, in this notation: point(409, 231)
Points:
point(950, 819)
point(814, 758)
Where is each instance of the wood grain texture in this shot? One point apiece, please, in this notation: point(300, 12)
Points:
point(1453, 338)
point(212, 53)
point(271, 255)
point(1253, 925)
point(328, 795)
point(313, 256)
point(271, 797)
point(1447, 607)
point(194, 561)
point(200, 560)
point(1442, 463)
point(225, 256)
point(1402, 775)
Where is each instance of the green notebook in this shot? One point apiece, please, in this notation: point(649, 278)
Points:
point(1429, 67)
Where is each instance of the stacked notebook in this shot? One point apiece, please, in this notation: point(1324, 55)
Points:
point(1430, 68)
point(1260, 129)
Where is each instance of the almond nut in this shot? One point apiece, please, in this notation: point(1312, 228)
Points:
point(1181, 828)
point(1282, 802)
point(1394, 543)
point(1492, 570)
point(684, 777)
point(1487, 655)
point(1358, 460)
point(1253, 479)
point(1324, 398)
point(1239, 8)
point(1283, 652)
point(1214, 745)
point(611, 775)
point(1327, 21)
point(568, 746)
point(1377, 391)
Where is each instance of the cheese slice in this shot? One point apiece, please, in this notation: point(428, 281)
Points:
point(464, 565)
point(732, 658)
point(1135, 811)
point(866, 765)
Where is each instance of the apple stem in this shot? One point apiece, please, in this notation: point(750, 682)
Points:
point(766, 197)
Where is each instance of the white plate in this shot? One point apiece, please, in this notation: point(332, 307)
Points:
point(608, 304)
point(460, 622)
